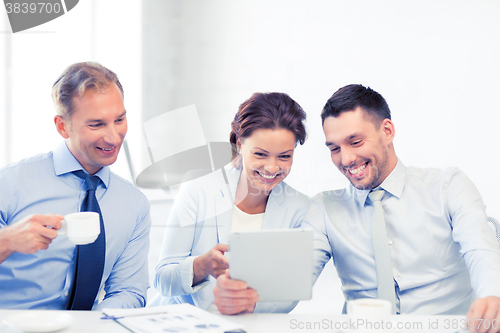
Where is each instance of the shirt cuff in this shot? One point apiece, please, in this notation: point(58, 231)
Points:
point(491, 289)
point(187, 274)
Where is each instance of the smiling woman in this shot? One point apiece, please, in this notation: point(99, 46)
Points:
point(267, 156)
point(265, 131)
point(264, 134)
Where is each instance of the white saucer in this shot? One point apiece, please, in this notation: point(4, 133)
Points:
point(38, 321)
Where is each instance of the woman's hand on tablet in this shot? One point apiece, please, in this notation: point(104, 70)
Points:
point(234, 296)
point(211, 263)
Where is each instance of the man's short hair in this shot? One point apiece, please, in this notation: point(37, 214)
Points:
point(352, 96)
point(76, 80)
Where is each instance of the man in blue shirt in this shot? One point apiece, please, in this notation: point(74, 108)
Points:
point(443, 253)
point(37, 267)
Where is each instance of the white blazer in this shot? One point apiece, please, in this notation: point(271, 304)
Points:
point(201, 218)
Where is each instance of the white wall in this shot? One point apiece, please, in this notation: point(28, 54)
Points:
point(435, 62)
point(92, 31)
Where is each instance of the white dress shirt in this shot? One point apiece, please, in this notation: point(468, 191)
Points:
point(437, 236)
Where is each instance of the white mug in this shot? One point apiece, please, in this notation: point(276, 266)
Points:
point(370, 314)
point(81, 228)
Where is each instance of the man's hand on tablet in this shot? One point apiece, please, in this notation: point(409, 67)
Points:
point(484, 315)
point(233, 296)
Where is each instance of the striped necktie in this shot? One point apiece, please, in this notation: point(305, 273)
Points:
point(90, 257)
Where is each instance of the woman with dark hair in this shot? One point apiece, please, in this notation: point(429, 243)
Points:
point(249, 195)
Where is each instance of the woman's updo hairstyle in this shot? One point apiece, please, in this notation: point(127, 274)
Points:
point(267, 111)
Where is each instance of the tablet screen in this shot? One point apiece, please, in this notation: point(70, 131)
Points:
point(277, 263)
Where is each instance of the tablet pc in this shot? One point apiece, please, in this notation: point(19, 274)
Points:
point(276, 263)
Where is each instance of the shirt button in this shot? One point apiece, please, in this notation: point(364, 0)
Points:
point(399, 274)
point(390, 242)
point(66, 294)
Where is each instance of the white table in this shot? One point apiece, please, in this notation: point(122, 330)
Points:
point(272, 323)
point(90, 321)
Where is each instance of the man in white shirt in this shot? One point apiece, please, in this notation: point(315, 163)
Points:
point(442, 252)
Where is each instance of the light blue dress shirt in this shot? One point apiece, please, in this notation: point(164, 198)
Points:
point(437, 234)
point(44, 184)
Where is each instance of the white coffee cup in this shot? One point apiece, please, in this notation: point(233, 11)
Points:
point(370, 315)
point(81, 228)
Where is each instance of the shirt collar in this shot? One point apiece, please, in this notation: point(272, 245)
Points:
point(65, 162)
point(393, 184)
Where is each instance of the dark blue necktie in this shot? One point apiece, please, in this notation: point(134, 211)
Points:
point(89, 257)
